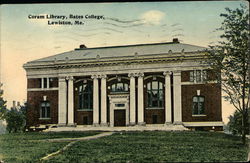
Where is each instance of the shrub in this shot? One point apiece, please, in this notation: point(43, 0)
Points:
point(235, 124)
point(15, 119)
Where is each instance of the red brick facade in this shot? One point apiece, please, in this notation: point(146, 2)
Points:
point(34, 104)
point(211, 92)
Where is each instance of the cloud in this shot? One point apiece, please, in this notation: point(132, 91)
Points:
point(152, 17)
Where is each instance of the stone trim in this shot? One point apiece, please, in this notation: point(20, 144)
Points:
point(197, 83)
point(119, 60)
point(42, 89)
point(203, 124)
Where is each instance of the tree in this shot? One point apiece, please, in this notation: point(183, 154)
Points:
point(230, 60)
point(15, 119)
point(3, 109)
point(235, 123)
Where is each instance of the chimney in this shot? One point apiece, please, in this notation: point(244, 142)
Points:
point(82, 46)
point(175, 40)
point(14, 104)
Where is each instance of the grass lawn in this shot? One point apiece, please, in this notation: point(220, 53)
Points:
point(157, 147)
point(24, 147)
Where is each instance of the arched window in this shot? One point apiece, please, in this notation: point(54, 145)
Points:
point(119, 87)
point(198, 105)
point(155, 94)
point(45, 110)
point(86, 96)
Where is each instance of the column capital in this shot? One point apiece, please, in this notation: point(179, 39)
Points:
point(177, 72)
point(61, 78)
point(167, 73)
point(95, 76)
point(103, 76)
point(70, 78)
point(132, 75)
point(140, 74)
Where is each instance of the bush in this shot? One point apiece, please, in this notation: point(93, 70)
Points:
point(15, 119)
point(235, 124)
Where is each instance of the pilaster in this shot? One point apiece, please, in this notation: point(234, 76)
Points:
point(140, 100)
point(95, 100)
point(168, 105)
point(62, 109)
point(177, 97)
point(70, 101)
point(132, 112)
point(103, 100)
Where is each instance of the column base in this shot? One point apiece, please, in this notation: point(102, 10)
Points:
point(96, 125)
point(132, 124)
point(71, 125)
point(178, 123)
point(104, 125)
point(168, 123)
point(61, 125)
point(141, 124)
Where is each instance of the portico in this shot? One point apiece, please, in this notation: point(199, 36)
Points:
point(131, 100)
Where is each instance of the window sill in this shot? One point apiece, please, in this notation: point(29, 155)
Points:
point(154, 108)
point(84, 109)
point(199, 115)
point(44, 118)
point(122, 92)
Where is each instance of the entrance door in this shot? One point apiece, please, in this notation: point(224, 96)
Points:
point(119, 117)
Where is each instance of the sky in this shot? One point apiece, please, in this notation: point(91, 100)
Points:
point(24, 39)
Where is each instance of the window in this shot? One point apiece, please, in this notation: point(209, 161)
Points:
point(86, 96)
point(198, 75)
point(40, 82)
point(119, 87)
point(119, 105)
point(198, 105)
point(191, 76)
point(45, 110)
point(44, 82)
point(155, 94)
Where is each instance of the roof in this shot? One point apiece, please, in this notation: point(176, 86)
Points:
point(122, 51)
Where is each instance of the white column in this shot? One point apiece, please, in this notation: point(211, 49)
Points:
point(132, 99)
point(95, 100)
point(168, 106)
point(70, 101)
point(111, 113)
point(47, 82)
point(103, 101)
point(42, 83)
point(177, 97)
point(140, 100)
point(62, 101)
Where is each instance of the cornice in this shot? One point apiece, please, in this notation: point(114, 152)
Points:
point(147, 59)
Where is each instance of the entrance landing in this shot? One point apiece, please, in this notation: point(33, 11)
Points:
point(160, 127)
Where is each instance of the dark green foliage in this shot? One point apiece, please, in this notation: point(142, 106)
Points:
point(235, 124)
point(15, 119)
point(3, 109)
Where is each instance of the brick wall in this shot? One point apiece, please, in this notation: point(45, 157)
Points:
point(212, 94)
point(34, 83)
point(34, 100)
